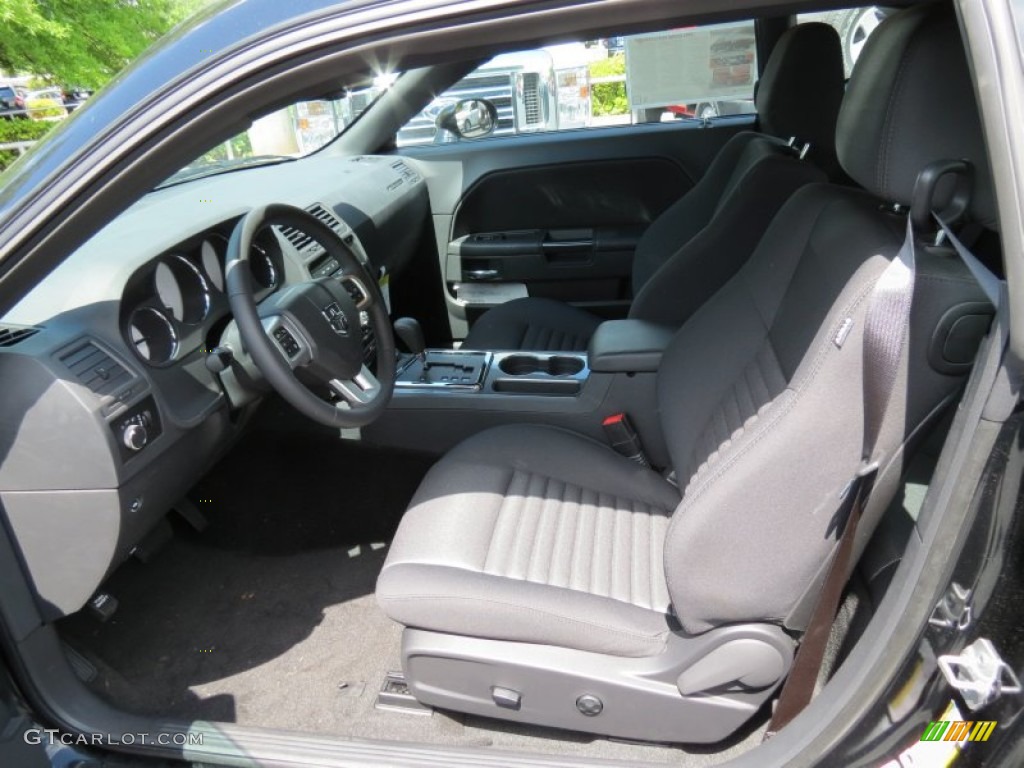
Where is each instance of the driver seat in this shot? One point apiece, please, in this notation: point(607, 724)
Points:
point(541, 577)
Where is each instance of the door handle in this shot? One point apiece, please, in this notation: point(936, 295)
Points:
point(482, 274)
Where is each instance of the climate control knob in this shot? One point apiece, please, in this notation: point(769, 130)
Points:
point(134, 437)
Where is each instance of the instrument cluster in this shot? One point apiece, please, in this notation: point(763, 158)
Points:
point(170, 305)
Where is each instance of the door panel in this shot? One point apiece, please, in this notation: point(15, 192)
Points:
point(630, 191)
point(589, 265)
point(557, 214)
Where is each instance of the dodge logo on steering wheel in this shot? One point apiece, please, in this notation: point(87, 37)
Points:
point(336, 318)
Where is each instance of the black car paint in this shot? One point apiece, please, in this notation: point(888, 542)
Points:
point(991, 565)
point(15, 721)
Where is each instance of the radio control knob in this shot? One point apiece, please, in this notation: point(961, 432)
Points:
point(135, 437)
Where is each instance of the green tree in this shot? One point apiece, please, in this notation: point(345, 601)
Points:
point(609, 98)
point(82, 42)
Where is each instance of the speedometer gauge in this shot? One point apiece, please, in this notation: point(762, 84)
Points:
point(169, 291)
point(181, 289)
point(152, 336)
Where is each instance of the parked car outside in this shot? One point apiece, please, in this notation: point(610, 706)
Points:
point(12, 101)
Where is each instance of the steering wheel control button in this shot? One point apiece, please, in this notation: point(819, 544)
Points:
point(506, 698)
point(589, 705)
point(287, 341)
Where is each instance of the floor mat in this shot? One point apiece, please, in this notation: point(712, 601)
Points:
point(289, 641)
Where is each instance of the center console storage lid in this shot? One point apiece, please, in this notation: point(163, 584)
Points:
point(625, 346)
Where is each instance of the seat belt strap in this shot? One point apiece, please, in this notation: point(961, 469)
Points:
point(803, 675)
point(883, 339)
point(989, 283)
point(886, 324)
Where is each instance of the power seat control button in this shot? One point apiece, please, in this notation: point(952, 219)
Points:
point(589, 705)
point(506, 698)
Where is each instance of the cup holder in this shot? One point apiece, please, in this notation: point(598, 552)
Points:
point(556, 365)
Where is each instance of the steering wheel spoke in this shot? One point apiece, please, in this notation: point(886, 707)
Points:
point(356, 287)
point(363, 388)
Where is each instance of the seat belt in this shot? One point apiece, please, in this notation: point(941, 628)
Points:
point(886, 324)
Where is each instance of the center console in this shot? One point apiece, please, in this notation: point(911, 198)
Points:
point(443, 396)
point(536, 373)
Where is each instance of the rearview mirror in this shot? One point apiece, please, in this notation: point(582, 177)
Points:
point(469, 118)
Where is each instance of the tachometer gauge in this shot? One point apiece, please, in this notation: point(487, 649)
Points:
point(181, 288)
point(152, 336)
point(212, 254)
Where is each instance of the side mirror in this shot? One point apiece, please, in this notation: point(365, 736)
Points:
point(469, 118)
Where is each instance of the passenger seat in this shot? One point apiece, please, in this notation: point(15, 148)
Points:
point(702, 240)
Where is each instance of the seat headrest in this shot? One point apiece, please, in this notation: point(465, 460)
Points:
point(801, 89)
point(909, 103)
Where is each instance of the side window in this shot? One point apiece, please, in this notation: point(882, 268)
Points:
point(689, 73)
point(854, 26)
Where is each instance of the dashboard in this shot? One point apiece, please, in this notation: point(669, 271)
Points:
point(110, 410)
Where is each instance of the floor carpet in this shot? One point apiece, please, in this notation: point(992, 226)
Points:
point(290, 641)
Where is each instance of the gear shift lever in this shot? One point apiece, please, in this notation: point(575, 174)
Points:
point(409, 331)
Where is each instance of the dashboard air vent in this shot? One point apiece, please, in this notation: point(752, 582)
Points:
point(96, 369)
point(300, 239)
point(531, 98)
point(296, 237)
point(325, 216)
point(12, 334)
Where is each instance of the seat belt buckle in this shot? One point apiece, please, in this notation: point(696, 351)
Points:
point(623, 438)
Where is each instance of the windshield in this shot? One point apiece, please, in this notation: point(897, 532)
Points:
point(295, 131)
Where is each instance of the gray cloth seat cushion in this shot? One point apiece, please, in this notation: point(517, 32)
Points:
point(539, 535)
point(533, 323)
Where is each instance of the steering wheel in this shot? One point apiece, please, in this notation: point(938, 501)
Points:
point(313, 326)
